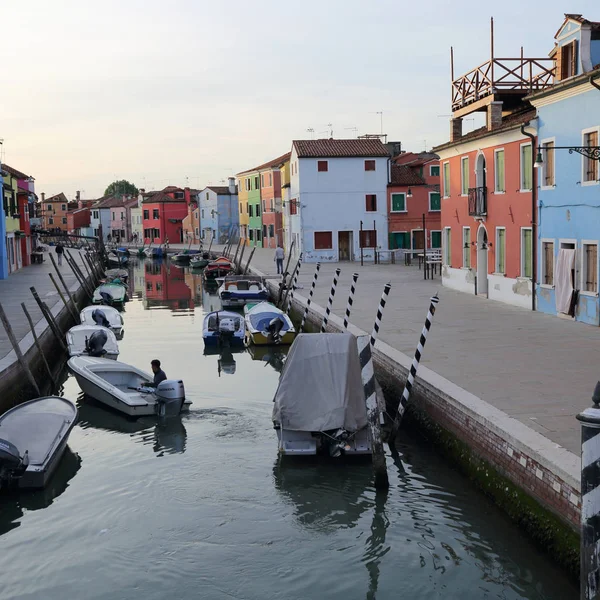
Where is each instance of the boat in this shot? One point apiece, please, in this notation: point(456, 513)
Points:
point(237, 290)
point(223, 328)
point(110, 293)
point(33, 439)
point(122, 387)
point(106, 316)
point(121, 274)
point(155, 252)
point(92, 340)
point(117, 259)
point(219, 267)
point(200, 260)
point(266, 324)
point(319, 406)
point(122, 250)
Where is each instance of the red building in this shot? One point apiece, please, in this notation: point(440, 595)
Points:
point(270, 193)
point(163, 214)
point(26, 208)
point(413, 197)
point(78, 220)
point(166, 287)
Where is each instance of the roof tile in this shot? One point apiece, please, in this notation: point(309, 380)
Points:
point(333, 148)
point(403, 175)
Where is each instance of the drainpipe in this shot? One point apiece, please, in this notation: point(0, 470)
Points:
point(592, 82)
point(534, 240)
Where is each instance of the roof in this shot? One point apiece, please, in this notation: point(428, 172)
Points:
point(14, 172)
point(111, 202)
point(172, 188)
point(78, 210)
point(333, 148)
point(511, 121)
point(221, 190)
point(270, 164)
point(566, 84)
point(403, 175)
point(162, 197)
point(57, 198)
point(415, 159)
point(579, 19)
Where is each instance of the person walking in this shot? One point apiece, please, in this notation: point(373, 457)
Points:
point(279, 256)
point(59, 251)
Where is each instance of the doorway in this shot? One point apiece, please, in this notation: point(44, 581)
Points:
point(480, 171)
point(418, 239)
point(482, 261)
point(344, 245)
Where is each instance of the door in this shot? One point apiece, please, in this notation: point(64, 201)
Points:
point(482, 262)
point(400, 239)
point(418, 239)
point(436, 239)
point(344, 245)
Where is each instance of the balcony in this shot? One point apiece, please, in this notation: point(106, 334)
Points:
point(478, 202)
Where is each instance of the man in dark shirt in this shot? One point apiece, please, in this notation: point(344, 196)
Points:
point(159, 374)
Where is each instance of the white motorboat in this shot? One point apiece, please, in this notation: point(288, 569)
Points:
point(103, 315)
point(110, 294)
point(92, 340)
point(237, 290)
point(266, 325)
point(33, 438)
point(223, 328)
point(123, 387)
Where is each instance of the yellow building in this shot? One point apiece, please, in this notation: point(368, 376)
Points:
point(284, 169)
point(243, 187)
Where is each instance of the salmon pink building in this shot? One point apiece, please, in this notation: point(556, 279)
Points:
point(163, 215)
point(270, 192)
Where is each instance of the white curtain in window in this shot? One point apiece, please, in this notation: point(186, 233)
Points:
point(563, 285)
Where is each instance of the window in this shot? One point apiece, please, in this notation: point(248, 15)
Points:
point(270, 179)
point(158, 286)
point(548, 168)
point(250, 211)
point(262, 181)
point(567, 60)
point(399, 239)
point(113, 215)
point(499, 186)
point(436, 239)
point(371, 202)
point(264, 231)
point(526, 252)
point(251, 234)
point(464, 175)
point(323, 240)
point(241, 207)
point(435, 202)
point(247, 184)
point(271, 204)
point(51, 221)
point(155, 213)
point(590, 165)
point(146, 214)
point(257, 210)
point(500, 250)
point(589, 267)
point(369, 165)
point(148, 286)
point(322, 166)
point(547, 263)
point(293, 207)
point(196, 232)
point(49, 207)
point(179, 195)
point(447, 246)
point(446, 180)
point(466, 247)
point(256, 182)
point(257, 235)
point(399, 202)
point(63, 207)
point(271, 231)
point(95, 214)
point(202, 213)
point(526, 174)
point(434, 170)
point(64, 220)
point(368, 238)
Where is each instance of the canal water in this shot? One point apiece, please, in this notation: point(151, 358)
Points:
point(200, 508)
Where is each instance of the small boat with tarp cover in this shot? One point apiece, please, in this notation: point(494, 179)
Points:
point(266, 324)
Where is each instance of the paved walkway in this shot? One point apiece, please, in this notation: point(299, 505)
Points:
point(536, 368)
point(15, 290)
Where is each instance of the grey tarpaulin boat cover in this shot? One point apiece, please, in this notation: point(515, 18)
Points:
point(321, 387)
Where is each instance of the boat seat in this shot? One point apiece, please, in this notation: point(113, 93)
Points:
point(253, 288)
point(232, 287)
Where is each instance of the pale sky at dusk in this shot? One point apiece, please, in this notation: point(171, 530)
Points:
point(155, 92)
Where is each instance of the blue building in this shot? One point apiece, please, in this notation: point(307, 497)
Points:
point(219, 211)
point(568, 130)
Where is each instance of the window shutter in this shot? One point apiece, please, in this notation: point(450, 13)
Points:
point(435, 201)
point(558, 63)
point(573, 58)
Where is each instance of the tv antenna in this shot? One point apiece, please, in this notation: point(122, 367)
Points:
point(355, 129)
point(380, 113)
point(312, 133)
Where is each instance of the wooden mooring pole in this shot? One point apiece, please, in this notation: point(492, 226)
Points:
point(65, 286)
point(284, 282)
point(239, 266)
point(309, 299)
point(49, 318)
point(234, 261)
point(330, 300)
point(69, 307)
point(294, 285)
point(350, 300)
point(379, 316)
point(39, 346)
point(248, 263)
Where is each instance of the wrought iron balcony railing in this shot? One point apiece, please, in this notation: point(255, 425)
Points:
point(478, 202)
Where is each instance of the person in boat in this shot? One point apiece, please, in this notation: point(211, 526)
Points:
point(279, 256)
point(159, 374)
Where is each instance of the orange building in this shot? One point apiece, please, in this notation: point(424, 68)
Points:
point(54, 212)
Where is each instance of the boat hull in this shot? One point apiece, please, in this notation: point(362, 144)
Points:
point(260, 339)
point(214, 341)
point(308, 443)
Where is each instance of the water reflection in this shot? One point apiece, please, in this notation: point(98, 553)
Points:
point(274, 356)
point(226, 362)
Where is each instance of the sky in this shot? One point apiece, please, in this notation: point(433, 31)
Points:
point(189, 92)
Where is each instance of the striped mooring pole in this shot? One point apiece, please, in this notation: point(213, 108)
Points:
point(590, 500)
point(379, 316)
point(294, 285)
point(310, 295)
point(330, 300)
point(414, 366)
point(350, 300)
point(367, 373)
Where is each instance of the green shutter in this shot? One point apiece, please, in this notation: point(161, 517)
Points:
point(527, 253)
point(500, 187)
point(526, 167)
point(434, 201)
point(449, 246)
point(465, 176)
point(501, 250)
point(436, 239)
point(447, 180)
point(392, 241)
point(435, 171)
point(398, 202)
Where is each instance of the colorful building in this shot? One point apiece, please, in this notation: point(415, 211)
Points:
point(100, 217)
point(14, 254)
point(244, 181)
point(25, 209)
point(284, 169)
point(191, 222)
point(219, 212)
point(120, 218)
point(54, 212)
point(414, 206)
point(271, 197)
point(568, 117)
point(250, 205)
point(163, 214)
point(79, 221)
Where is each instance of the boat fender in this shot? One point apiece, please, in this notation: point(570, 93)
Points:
point(100, 318)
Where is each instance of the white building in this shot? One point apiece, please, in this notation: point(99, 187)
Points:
point(338, 188)
point(136, 218)
point(100, 215)
point(219, 211)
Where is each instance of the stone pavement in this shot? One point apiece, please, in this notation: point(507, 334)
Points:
point(15, 290)
point(536, 368)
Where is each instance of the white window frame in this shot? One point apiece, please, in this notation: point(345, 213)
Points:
point(463, 247)
point(446, 249)
point(433, 167)
point(496, 191)
point(431, 209)
point(333, 245)
point(462, 171)
point(392, 203)
point(446, 193)
point(583, 158)
point(521, 171)
point(544, 153)
point(496, 261)
point(583, 269)
point(543, 260)
point(522, 253)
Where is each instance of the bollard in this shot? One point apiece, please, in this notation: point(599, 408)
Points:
point(294, 285)
point(379, 316)
point(350, 300)
point(330, 300)
point(310, 295)
point(590, 503)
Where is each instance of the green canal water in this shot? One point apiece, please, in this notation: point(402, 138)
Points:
point(200, 508)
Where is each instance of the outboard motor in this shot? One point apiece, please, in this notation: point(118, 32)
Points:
point(12, 465)
point(94, 346)
point(170, 395)
point(106, 298)
point(226, 328)
point(274, 329)
point(100, 318)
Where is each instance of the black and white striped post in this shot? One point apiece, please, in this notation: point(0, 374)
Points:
point(350, 300)
point(414, 366)
point(379, 316)
point(294, 285)
point(330, 300)
point(310, 295)
point(373, 414)
point(590, 500)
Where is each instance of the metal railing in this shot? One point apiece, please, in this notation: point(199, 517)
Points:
point(478, 202)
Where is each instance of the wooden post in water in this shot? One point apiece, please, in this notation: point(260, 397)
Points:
point(212, 237)
point(294, 285)
point(17, 349)
point(373, 414)
point(288, 287)
point(87, 270)
point(49, 318)
point(69, 307)
point(330, 300)
point(63, 282)
point(80, 276)
point(38, 345)
point(350, 300)
point(309, 299)
point(379, 316)
point(285, 274)
point(236, 253)
point(93, 268)
point(248, 263)
point(239, 268)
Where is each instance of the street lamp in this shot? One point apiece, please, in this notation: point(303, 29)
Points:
point(591, 152)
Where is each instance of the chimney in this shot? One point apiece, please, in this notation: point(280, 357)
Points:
point(455, 129)
point(78, 195)
point(79, 202)
point(43, 196)
point(142, 190)
point(232, 185)
point(494, 115)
